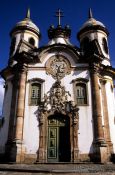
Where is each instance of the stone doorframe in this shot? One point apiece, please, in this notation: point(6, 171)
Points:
point(43, 130)
point(57, 101)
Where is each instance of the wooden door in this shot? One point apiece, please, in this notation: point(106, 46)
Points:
point(58, 148)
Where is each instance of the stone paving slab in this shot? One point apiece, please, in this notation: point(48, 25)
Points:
point(54, 169)
point(23, 173)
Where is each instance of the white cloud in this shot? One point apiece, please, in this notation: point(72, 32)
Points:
point(1, 94)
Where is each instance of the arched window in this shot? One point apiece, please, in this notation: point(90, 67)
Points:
point(81, 94)
point(80, 87)
point(32, 41)
point(12, 47)
point(105, 47)
point(85, 44)
point(35, 94)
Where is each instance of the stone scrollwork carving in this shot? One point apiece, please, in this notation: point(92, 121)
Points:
point(59, 100)
point(58, 65)
point(56, 98)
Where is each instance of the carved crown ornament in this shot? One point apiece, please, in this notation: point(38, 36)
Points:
point(58, 66)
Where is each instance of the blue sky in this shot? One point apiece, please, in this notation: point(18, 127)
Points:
point(42, 14)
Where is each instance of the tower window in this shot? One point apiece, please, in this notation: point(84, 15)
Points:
point(81, 95)
point(35, 96)
point(105, 47)
point(12, 47)
point(32, 41)
point(85, 44)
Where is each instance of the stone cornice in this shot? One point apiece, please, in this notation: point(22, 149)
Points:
point(95, 68)
point(6, 72)
point(91, 28)
point(102, 69)
point(22, 28)
point(59, 48)
point(25, 57)
point(36, 80)
point(108, 70)
point(80, 80)
point(94, 58)
point(35, 54)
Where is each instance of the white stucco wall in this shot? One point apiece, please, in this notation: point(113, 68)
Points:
point(6, 115)
point(85, 136)
point(111, 111)
point(31, 130)
point(31, 125)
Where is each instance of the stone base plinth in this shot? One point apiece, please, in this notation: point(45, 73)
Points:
point(101, 154)
point(16, 152)
point(76, 157)
point(42, 158)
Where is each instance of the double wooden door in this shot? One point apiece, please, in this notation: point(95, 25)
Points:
point(58, 145)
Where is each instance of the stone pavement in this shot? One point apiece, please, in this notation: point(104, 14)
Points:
point(57, 169)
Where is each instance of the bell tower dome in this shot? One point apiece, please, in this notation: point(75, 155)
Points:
point(94, 32)
point(24, 30)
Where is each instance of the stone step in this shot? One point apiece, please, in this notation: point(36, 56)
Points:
point(54, 169)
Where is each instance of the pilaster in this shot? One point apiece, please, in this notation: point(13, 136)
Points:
point(18, 149)
point(41, 152)
point(106, 117)
point(99, 141)
point(75, 137)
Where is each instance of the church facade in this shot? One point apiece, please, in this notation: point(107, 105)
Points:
point(59, 103)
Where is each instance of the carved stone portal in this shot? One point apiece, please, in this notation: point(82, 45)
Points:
point(57, 101)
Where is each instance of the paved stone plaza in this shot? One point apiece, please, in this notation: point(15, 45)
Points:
point(54, 169)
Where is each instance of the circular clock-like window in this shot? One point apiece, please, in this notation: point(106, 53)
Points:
point(58, 66)
point(105, 47)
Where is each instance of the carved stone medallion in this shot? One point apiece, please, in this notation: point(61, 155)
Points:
point(58, 66)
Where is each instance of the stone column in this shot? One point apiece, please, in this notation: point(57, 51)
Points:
point(75, 137)
point(18, 149)
point(106, 117)
point(41, 150)
point(100, 145)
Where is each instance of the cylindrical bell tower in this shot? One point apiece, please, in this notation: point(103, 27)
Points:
point(25, 30)
point(94, 32)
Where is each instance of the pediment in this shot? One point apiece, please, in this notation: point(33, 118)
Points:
point(69, 52)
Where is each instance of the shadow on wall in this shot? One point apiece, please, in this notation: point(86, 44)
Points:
point(1, 122)
point(91, 153)
point(113, 158)
point(80, 74)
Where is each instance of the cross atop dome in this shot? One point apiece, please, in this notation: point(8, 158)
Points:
point(90, 13)
point(59, 14)
point(59, 31)
point(28, 13)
